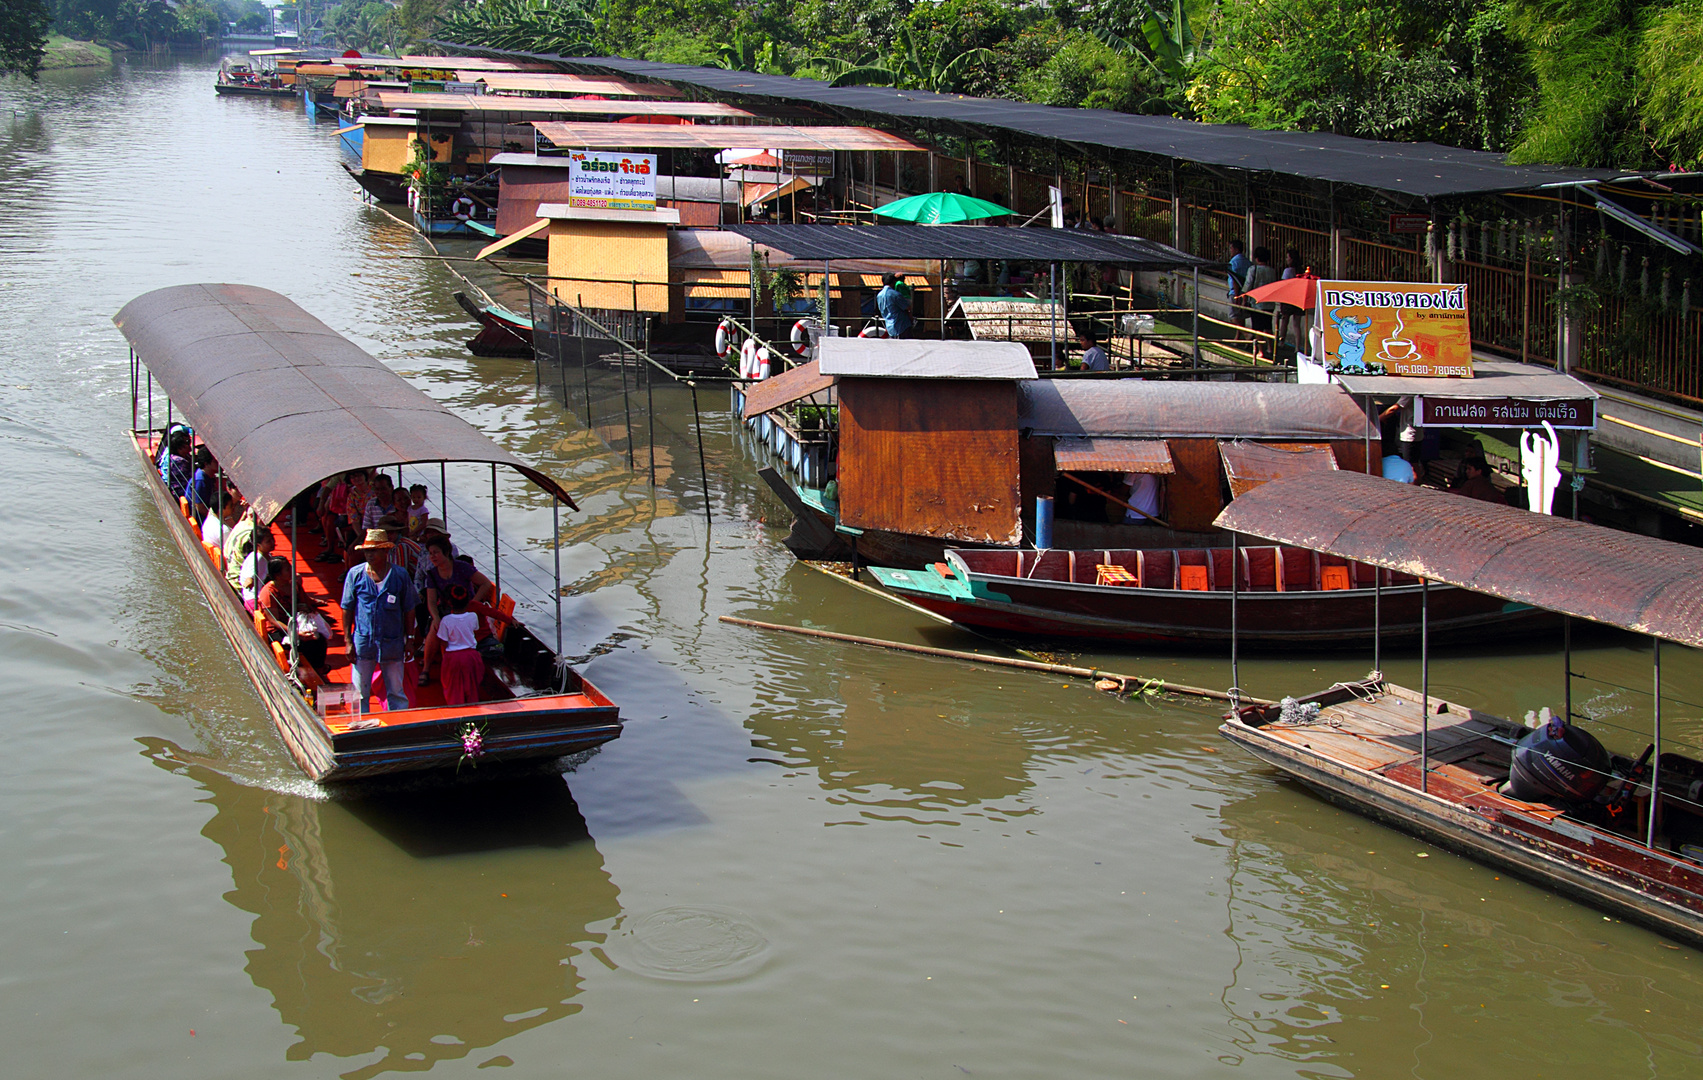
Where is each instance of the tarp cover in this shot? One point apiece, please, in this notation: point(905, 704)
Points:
point(1633, 582)
point(1113, 455)
point(284, 401)
point(500, 103)
point(784, 389)
point(1250, 464)
point(923, 359)
point(589, 136)
point(1136, 408)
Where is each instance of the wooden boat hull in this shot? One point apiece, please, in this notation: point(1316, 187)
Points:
point(383, 186)
point(523, 728)
point(1315, 619)
point(239, 90)
point(1594, 866)
point(501, 332)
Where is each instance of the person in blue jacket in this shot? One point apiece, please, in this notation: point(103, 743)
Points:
point(894, 306)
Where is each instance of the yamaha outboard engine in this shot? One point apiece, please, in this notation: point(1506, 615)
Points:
point(1558, 763)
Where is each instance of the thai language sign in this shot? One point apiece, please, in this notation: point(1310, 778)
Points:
point(1395, 328)
point(612, 181)
point(1503, 412)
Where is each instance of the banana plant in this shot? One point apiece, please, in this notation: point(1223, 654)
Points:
point(1167, 45)
point(910, 69)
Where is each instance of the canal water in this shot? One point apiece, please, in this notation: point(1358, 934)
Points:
point(801, 859)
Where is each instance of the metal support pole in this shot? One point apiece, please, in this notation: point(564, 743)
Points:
point(295, 587)
point(703, 469)
point(650, 415)
point(626, 402)
point(150, 400)
point(443, 491)
point(584, 367)
point(1424, 683)
point(1378, 621)
point(1567, 667)
point(1195, 316)
point(1656, 757)
point(1052, 310)
point(1235, 614)
point(556, 547)
point(496, 553)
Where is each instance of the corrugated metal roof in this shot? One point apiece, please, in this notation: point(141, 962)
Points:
point(284, 401)
point(1424, 170)
point(784, 389)
point(717, 136)
point(967, 242)
point(922, 359)
point(1250, 464)
point(555, 82)
point(1113, 455)
point(1634, 582)
point(1490, 379)
point(503, 103)
point(1139, 408)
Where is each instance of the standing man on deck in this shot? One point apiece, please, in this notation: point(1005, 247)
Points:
point(378, 607)
point(894, 306)
point(1239, 267)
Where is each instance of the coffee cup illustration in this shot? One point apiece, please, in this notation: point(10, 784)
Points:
point(1396, 347)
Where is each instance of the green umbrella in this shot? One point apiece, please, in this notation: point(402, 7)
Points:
point(941, 207)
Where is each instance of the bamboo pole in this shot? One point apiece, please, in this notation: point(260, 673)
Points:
point(1125, 682)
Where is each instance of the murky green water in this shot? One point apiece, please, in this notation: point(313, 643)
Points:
point(799, 860)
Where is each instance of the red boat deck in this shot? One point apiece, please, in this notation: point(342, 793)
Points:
point(1263, 568)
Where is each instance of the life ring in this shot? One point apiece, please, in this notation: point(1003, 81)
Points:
point(800, 338)
point(748, 358)
point(763, 359)
point(873, 330)
point(462, 208)
point(723, 344)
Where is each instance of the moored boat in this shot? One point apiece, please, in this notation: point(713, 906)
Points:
point(241, 80)
point(284, 402)
point(1282, 597)
point(1622, 832)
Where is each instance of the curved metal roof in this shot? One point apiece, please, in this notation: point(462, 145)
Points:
point(967, 242)
point(1140, 409)
point(284, 401)
point(1621, 579)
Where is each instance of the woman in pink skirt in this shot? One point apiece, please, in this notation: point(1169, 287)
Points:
point(463, 668)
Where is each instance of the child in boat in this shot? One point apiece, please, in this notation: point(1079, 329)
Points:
point(463, 668)
point(419, 510)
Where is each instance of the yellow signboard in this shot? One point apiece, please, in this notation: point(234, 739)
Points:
point(1395, 328)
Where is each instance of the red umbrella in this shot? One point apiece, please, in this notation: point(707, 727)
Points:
point(1301, 292)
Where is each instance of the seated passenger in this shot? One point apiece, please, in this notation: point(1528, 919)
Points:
point(215, 526)
point(239, 541)
point(1474, 481)
point(178, 470)
point(313, 633)
point(419, 511)
point(201, 482)
point(254, 570)
point(1144, 497)
point(458, 635)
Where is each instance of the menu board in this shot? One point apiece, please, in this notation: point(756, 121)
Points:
point(1395, 328)
point(618, 181)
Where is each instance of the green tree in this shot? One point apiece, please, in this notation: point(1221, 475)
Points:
point(1671, 76)
point(1584, 60)
point(563, 27)
point(23, 36)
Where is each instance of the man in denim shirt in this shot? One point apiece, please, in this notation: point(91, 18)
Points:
point(378, 611)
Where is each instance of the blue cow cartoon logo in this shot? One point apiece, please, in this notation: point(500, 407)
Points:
point(1351, 354)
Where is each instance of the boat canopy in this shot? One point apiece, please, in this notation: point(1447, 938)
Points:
point(283, 401)
point(1139, 409)
point(1621, 579)
point(921, 358)
point(1247, 465)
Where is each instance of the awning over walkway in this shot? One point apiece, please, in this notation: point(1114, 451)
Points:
point(1423, 170)
point(1113, 455)
point(1634, 582)
point(284, 401)
point(967, 242)
point(912, 358)
point(715, 136)
point(1250, 464)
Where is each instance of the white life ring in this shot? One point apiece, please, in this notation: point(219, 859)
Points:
point(763, 359)
point(873, 330)
point(800, 338)
point(462, 208)
point(748, 359)
point(723, 343)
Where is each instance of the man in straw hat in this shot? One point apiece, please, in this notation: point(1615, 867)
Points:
point(378, 602)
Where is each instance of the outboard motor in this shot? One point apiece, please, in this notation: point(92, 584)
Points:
point(1558, 763)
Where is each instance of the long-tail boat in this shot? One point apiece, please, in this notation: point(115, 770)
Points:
point(283, 401)
point(1284, 597)
point(1623, 833)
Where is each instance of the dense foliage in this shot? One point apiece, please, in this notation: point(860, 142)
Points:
point(23, 36)
point(143, 24)
point(1584, 82)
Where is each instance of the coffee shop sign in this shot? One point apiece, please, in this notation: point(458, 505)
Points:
point(1395, 328)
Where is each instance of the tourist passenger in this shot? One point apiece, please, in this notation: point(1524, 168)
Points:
point(381, 503)
point(1094, 358)
point(1474, 481)
point(1396, 468)
point(1239, 267)
point(178, 470)
point(1262, 273)
point(1289, 314)
point(378, 605)
point(313, 633)
point(408, 554)
point(419, 510)
point(458, 635)
point(894, 306)
point(202, 481)
point(443, 571)
point(254, 569)
point(239, 541)
point(216, 526)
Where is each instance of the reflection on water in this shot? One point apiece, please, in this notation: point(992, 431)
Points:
point(384, 928)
